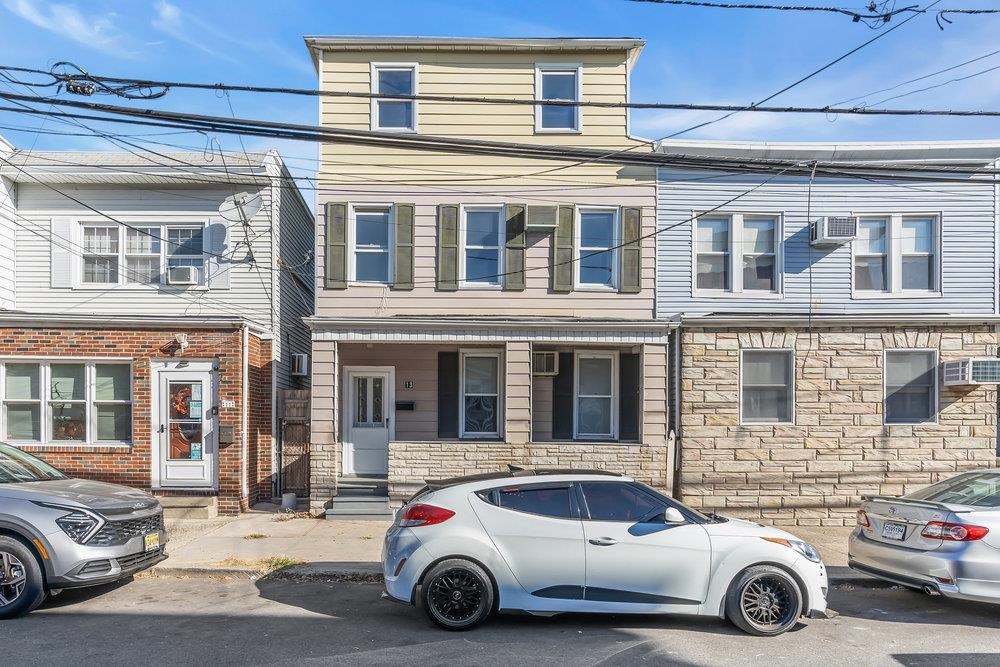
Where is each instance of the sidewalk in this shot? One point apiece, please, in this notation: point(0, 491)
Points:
point(266, 541)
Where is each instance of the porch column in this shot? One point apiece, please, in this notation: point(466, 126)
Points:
point(324, 441)
point(655, 414)
point(517, 404)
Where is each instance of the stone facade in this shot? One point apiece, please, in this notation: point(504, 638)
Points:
point(814, 472)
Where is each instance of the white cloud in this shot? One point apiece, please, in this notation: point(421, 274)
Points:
point(96, 31)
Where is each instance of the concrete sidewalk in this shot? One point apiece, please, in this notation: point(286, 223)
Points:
point(267, 541)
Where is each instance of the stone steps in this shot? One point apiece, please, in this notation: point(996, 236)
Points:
point(189, 507)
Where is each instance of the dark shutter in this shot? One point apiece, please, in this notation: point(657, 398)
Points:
point(447, 238)
point(562, 251)
point(562, 398)
point(336, 246)
point(629, 396)
point(402, 266)
point(630, 280)
point(447, 394)
point(513, 279)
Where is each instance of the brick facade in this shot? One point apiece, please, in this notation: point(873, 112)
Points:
point(813, 472)
point(131, 464)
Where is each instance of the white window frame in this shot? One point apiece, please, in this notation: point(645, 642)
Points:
point(352, 248)
point(936, 385)
point(125, 284)
point(736, 254)
point(45, 399)
point(464, 209)
point(894, 258)
point(615, 394)
point(579, 251)
point(463, 355)
point(375, 68)
point(791, 393)
point(84, 253)
point(542, 68)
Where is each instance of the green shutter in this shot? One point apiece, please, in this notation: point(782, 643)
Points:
point(630, 266)
point(336, 246)
point(562, 250)
point(447, 240)
point(513, 278)
point(402, 267)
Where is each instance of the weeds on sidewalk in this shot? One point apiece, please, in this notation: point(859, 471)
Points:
point(254, 536)
point(288, 515)
point(265, 565)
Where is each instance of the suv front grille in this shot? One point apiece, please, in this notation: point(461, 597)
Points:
point(114, 533)
point(138, 561)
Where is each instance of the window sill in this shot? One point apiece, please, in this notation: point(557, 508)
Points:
point(703, 294)
point(158, 289)
point(893, 296)
point(557, 130)
point(395, 130)
point(607, 289)
point(479, 287)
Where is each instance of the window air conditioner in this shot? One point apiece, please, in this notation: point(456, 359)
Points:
point(544, 363)
point(182, 275)
point(541, 218)
point(830, 230)
point(985, 370)
point(300, 365)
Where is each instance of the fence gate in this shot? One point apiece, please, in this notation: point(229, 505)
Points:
point(294, 415)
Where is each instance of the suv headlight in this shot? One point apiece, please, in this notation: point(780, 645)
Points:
point(79, 524)
point(807, 550)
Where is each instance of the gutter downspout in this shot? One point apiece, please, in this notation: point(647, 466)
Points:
point(245, 414)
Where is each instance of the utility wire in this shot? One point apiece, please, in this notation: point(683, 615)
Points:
point(874, 15)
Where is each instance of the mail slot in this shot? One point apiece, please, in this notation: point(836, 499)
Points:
point(408, 406)
point(227, 434)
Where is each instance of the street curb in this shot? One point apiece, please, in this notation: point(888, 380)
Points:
point(371, 575)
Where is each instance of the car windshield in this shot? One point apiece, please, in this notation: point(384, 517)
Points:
point(17, 466)
point(979, 489)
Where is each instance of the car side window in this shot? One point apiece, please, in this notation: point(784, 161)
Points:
point(614, 501)
point(551, 501)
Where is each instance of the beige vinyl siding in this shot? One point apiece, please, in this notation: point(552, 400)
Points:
point(655, 417)
point(517, 398)
point(541, 408)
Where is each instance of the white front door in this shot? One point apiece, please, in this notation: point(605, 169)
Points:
point(184, 427)
point(368, 419)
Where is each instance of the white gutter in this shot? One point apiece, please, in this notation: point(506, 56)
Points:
point(423, 324)
point(121, 321)
point(831, 321)
point(245, 415)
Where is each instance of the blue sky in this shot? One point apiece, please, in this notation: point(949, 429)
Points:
point(692, 55)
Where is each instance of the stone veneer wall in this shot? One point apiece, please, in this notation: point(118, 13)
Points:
point(813, 472)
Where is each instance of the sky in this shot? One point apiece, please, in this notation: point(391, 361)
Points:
point(692, 55)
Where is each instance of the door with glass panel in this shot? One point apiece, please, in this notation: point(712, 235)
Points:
point(368, 421)
point(185, 433)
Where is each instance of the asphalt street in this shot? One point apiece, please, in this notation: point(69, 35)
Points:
point(201, 622)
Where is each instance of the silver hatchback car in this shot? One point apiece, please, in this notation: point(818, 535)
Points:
point(57, 532)
point(943, 539)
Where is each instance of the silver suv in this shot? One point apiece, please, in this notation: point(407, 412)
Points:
point(57, 532)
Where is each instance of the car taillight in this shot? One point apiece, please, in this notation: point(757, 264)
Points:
point(953, 532)
point(424, 515)
point(863, 519)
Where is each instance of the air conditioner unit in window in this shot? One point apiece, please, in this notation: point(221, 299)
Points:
point(831, 230)
point(984, 370)
point(300, 365)
point(544, 363)
point(541, 218)
point(182, 275)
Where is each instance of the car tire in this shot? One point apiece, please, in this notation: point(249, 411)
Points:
point(764, 601)
point(22, 586)
point(457, 594)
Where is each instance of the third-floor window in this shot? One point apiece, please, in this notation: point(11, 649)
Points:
point(394, 115)
point(557, 82)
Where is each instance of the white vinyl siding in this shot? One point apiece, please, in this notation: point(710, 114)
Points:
point(595, 395)
point(911, 386)
point(737, 253)
point(767, 387)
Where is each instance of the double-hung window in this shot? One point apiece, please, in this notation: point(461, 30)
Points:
point(100, 255)
point(482, 256)
point(910, 386)
point(737, 254)
point(140, 254)
point(480, 375)
point(596, 249)
point(557, 82)
point(596, 399)
point(767, 386)
point(185, 247)
point(394, 115)
point(897, 255)
point(372, 249)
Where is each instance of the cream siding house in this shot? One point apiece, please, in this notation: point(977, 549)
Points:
point(457, 329)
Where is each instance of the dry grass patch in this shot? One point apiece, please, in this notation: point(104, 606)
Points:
point(264, 565)
point(254, 536)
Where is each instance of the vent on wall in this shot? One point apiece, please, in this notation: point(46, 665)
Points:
point(300, 365)
point(832, 230)
point(544, 363)
point(985, 370)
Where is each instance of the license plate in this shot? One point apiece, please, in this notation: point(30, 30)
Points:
point(151, 542)
point(894, 531)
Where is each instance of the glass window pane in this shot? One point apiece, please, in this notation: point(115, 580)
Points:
point(142, 270)
point(909, 405)
point(22, 382)
point(766, 367)
point(903, 368)
point(482, 228)
point(395, 81)
point(69, 421)
point(558, 118)
point(597, 229)
point(113, 382)
point(372, 228)
point(546, 502)
point(377, 393)
point(918, 272)
point(100, 240)
point(613, 501)
point(24, 422)
point(100, 269)
point(114, 422)
point(372, 267)
point(758, 235)
point(593, 416)
point(482, 266)
point(758, 273)
point(67, 382)
point(869, 274)
point(392, 114)
point(766, 405)
point(142, 241)
point(185, 400)
point(595, 376)
point(361, 408)
point(185, 241)
point(481, 414)
point(713, 272)
point(559, 86)
point(871, 236)
point(481, 375)
point(713, 235)
point(917, 235)
point(185, 441)
point(596, 267)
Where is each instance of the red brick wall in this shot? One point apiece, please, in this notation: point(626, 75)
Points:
point(131, 464)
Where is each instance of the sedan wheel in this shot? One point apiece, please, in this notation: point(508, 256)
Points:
point(764, 601)
point(458, 594)
point(21, 585)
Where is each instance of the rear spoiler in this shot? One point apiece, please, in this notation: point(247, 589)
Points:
point(919, 503)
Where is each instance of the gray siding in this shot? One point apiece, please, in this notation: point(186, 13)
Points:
point(968, 213)
point(8, 261)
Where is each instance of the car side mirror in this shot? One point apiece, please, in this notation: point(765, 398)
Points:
point(673, 515)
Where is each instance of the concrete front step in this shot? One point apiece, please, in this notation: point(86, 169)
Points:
point(359, 507)
point(189, 507)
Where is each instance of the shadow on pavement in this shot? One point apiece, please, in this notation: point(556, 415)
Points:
point(898, 604)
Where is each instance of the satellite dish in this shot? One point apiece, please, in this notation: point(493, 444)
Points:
point(240, 207)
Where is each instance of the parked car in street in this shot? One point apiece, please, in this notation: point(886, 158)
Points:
point(943, 539)
point(57, 532)
point(552, 541)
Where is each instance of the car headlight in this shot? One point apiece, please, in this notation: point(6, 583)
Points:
point(807, 550)
point(79, 524)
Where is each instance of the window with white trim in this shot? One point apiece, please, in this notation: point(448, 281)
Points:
point(596, 248)
point(371, 240)
point(100, 255)
point(557, 82)
point(140, 254)
point(394, 114)
point(897, 254)
point(596, 395)
point(482, 243)
point(737, 253)
point(767, 386)
point(71, 402)
point(480, 409)
point(911, 386)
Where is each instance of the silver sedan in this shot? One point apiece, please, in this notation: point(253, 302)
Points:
point(943, 539)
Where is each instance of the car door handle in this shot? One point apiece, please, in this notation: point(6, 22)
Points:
point(603, 541)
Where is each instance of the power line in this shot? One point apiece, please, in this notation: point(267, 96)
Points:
point(872, 15)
